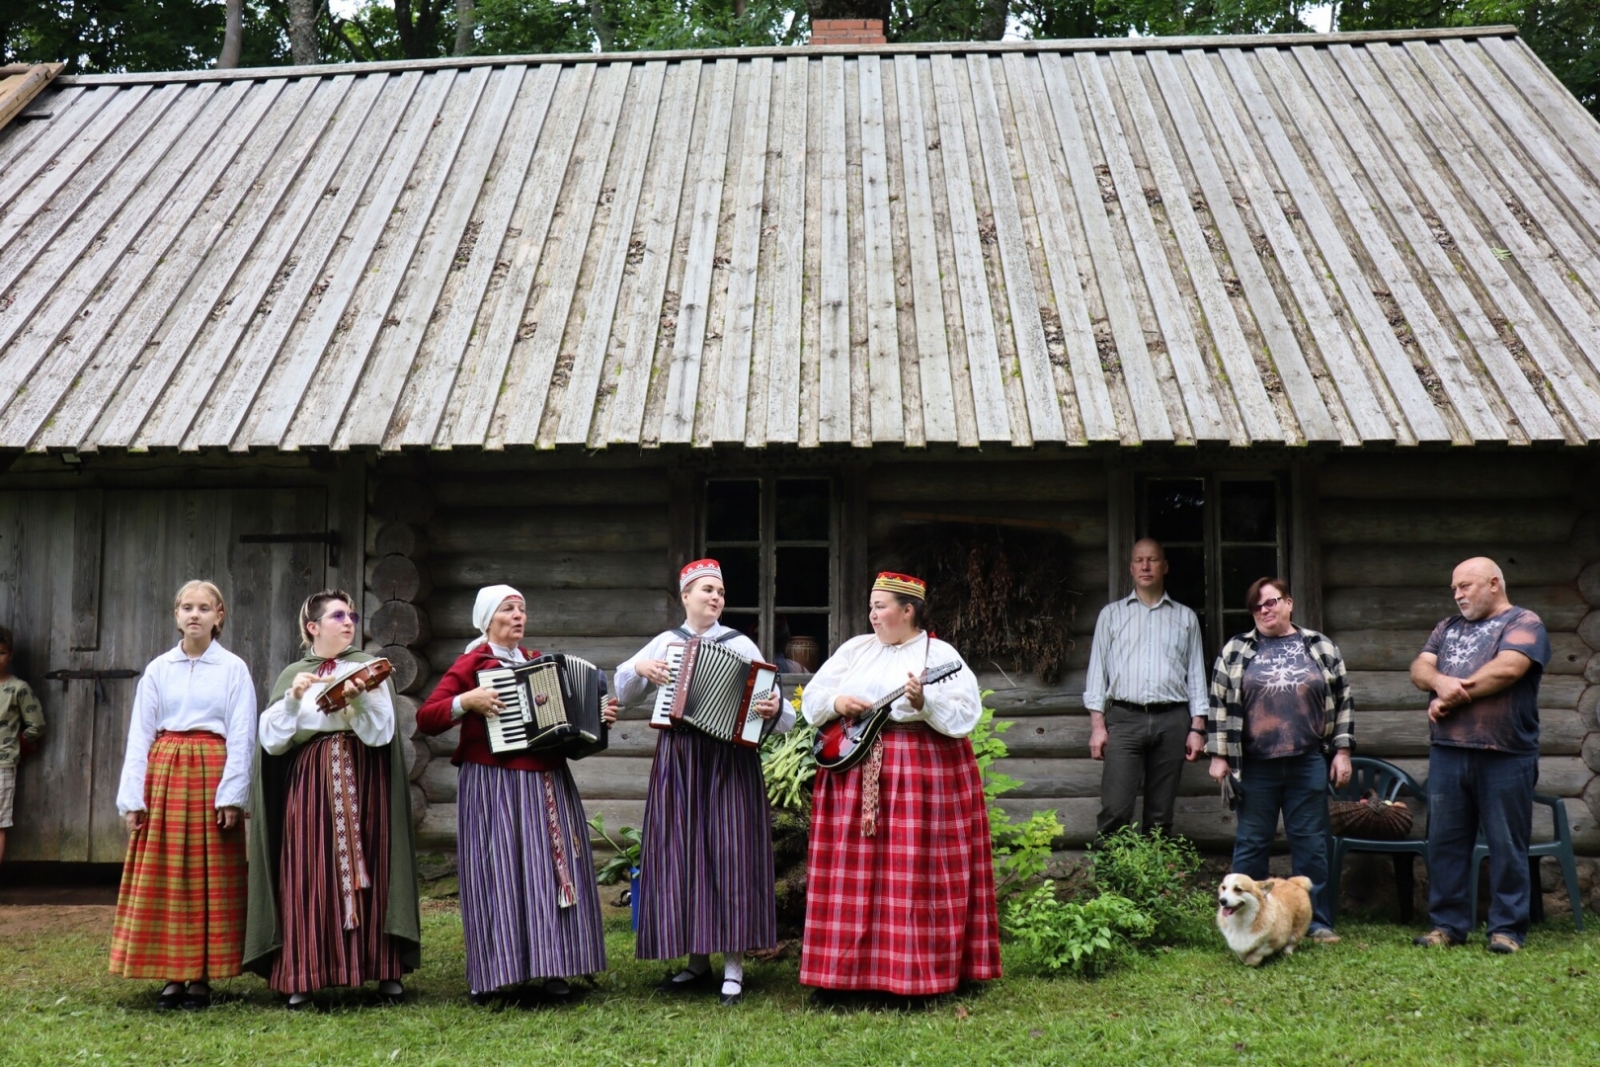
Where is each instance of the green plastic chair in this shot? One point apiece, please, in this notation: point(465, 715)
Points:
point(1560, 848)
point(1390, 783)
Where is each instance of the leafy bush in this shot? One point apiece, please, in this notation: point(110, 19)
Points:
point(617, 868)
point(1155, 873)
point(1021, 850)
point(1086, 937)
point(787, 765)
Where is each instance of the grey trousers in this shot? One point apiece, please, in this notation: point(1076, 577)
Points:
point(1144, 750)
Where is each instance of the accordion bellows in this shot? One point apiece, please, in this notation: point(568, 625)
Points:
point(1370, 818)
point(711, 689)
point(552, 704)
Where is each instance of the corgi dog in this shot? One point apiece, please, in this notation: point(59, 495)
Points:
point(1258, 919)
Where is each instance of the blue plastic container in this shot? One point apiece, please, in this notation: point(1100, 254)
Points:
point(633, 895)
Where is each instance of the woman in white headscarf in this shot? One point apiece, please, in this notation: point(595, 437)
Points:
point(530, 909)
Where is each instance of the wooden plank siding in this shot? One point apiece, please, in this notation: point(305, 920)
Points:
point(1257, 241)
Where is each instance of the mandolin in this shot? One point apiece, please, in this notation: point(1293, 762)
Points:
point(843, 743)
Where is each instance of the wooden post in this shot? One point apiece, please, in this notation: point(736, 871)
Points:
point(683, 527)
point(854, 561)
point(1121, 528)
point(88, 529)
point(1305, 549)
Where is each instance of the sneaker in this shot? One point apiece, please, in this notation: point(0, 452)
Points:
point(1503, 944)
point(1322, 935)
point(1435, 938)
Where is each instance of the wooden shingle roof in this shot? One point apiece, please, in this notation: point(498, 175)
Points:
point(1347, 239)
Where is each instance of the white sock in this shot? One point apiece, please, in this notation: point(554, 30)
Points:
point(733, 974)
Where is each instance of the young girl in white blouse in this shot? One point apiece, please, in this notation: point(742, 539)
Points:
point(185, 782)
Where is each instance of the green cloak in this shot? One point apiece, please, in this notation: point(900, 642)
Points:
point(263, 936)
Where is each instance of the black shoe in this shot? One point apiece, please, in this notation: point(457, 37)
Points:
point(170, 997)
point(197, 999)
point(480, 1000)
point(307, 1004)
point(728, 1000)
point(390, 992)
point(700, 983)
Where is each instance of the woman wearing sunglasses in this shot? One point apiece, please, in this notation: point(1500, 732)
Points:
point(333, 889)
point(1283, 722)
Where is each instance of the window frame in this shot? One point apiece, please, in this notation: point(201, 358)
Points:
point(1213, 611)
point(767, 551)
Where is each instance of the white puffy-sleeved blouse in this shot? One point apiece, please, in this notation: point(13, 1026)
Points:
point(632, 688)
point(865, 667)
point(289, 722)
point(212, 692)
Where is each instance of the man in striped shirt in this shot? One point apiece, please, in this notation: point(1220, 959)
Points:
point(1146, 695)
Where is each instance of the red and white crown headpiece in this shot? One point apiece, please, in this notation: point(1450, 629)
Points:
point(700, 568)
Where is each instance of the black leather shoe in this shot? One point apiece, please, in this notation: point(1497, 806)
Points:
point(480, 1000)
point(700, 983)
point(728, 1000)
point(197, 997)
point(391, 992)
point(170, 997)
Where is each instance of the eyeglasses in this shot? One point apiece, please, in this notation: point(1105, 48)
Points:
point(342, 616)
point(1268, 605)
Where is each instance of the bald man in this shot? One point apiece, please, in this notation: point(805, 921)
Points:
point(1146, 695)
point(1482, 670)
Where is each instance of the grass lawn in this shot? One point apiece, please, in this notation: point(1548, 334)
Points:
point(1372, 999)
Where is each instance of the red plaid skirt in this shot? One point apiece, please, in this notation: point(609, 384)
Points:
point(180, 912)
point(910, 910)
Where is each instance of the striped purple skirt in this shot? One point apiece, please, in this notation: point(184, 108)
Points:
point(705, 883)
point(514, 928)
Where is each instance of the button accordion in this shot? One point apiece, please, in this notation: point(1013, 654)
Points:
point(552, 705)
point(712, 689)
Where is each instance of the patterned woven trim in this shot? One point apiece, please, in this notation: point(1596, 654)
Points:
point(903, 584)
point(700, 568)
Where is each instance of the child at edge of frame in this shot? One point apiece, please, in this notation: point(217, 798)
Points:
point(21, 728)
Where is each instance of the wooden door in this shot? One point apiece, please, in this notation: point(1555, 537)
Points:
point(87, 580)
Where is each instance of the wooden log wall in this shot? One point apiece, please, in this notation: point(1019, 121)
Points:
point(586, 541)
point(1392, 529)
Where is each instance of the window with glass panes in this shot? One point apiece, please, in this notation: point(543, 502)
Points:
point(1221, 532)
point(775, 539)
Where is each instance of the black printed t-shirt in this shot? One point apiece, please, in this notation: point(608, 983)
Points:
point(1507, 721)
point(1284, 697)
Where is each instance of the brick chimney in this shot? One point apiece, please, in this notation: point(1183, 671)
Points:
point(847, 31)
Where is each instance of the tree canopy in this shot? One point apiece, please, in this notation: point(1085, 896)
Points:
point(93, 36)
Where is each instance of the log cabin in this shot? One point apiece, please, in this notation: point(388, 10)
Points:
point(1324, 306)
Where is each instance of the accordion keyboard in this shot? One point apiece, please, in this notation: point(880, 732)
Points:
point(509, 729)
point(661, 715)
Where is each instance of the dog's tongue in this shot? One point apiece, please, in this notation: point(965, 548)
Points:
point(1228, 909)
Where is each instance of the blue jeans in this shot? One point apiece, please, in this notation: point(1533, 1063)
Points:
point(1470, 790)
point(1298, 787)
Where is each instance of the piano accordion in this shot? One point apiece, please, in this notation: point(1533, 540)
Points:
point(712, 689)
point(552, 705)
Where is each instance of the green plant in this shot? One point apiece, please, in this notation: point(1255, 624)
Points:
point(1021, 850)
point(621, 865)
point(787, 764)
point(1156, 873)
point(1087, 936)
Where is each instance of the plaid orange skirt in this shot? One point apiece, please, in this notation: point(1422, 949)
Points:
point(181, 908)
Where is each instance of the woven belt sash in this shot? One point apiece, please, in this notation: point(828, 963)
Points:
point(566, 896)
point(347, 827)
